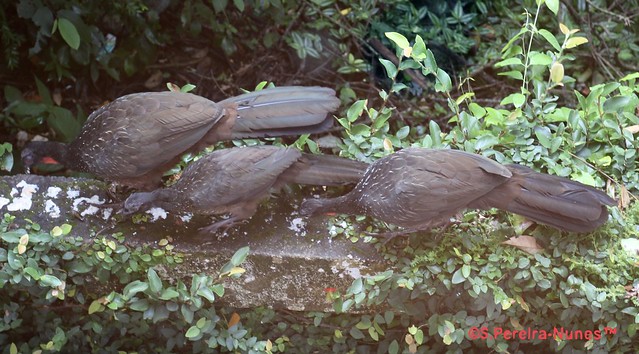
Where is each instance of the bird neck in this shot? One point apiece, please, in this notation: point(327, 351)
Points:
point(166, 198)
point(339, 205)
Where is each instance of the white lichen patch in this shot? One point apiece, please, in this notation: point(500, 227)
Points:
point(51, 208)
point(52, 192)
point(186, 217)
point(82, 201)
point(157, 213)
point(72, 193)
point(352, 271)
point(630, 245)
point(3, 202)
point(297, 225)
point(24, 201)
point(106, 213)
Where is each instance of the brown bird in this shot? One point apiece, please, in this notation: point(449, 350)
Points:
point(235, 180)
point(136, 138)
point(419, 189)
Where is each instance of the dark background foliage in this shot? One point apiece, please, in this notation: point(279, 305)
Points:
point(499, 93)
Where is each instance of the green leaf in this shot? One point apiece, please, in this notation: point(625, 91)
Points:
point(356, 287)
point(140, 305)
point(537, 58)
point(155, 283)
point(544, 261)
point(393, 348)
point(517, 99)
point(50, 281)
point(95, 306)
point(399, 40)
point(361, 130)
point(419, 49)
point(356, 333)
point(391, 70)
point(616, 103)
point(458, 277)
point(192, 332)
point(550, 38)
point(356, 110)
point(44, 92)
point(133, 288)
point(63, 122)
point(207, 293)
point(465, 270)
point(628, 77)
point(240, 256)
point(169, 294)
point(443, 83)
point(402, 132)
point(509, 61)
point(69, 33)
point(12, 94)
point(553, 5)
point(239, 4)
point(66, 228)
point(486, 141)
point(219, 5)
point(544, 136)
point(34, 273)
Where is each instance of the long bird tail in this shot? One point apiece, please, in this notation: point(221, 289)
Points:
point(550, 200)
point(325, 170)
point(282, 111)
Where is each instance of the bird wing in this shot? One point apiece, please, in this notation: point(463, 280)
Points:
point(434, 184)
point(235, 175)
point(143, 131)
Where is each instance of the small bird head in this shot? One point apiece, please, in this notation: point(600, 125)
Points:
point(139, 201)
point(310, 206)
point(40, 152)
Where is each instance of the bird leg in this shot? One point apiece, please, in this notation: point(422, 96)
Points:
point(442, 225)
point(390, 235)
point(224, 224)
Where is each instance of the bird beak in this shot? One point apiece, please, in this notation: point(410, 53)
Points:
point(49, 161)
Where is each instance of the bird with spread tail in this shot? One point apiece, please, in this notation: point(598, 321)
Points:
point(418, 189)
point(134, 139)
point(234, 181)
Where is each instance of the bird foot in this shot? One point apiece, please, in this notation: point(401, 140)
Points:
point(223, 224)
point(389, 236)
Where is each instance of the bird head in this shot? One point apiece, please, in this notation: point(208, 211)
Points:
point(310, 206)
point(139, 201)
point(40, 152)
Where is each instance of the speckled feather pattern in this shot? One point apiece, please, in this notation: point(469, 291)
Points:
point(136, 138)
point(136, 133)
point(421, 188)
point(235, 180)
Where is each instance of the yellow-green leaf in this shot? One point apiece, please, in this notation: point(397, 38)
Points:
point(575, 41)
point(95, 306)
point(557, 73)
point(398, 39)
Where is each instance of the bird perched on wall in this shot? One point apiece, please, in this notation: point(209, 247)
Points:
point(235, 180)
point(136, 138)
point(419, 189)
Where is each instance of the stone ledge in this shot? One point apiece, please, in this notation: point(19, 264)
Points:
point(288, 266)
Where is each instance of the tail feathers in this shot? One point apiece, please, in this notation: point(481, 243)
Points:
point(552, 200)
point(288, 110)
point(326, 170)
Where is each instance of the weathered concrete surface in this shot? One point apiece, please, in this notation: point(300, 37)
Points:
point(288, 266)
